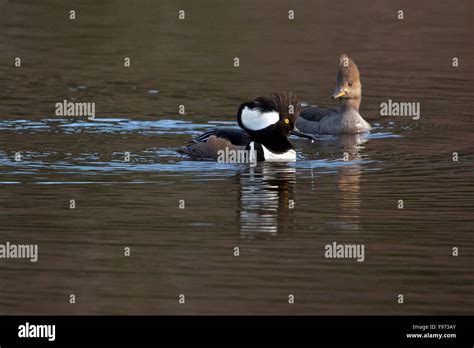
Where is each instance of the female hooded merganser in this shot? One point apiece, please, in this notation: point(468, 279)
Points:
point(346, 118)
point(266, 123)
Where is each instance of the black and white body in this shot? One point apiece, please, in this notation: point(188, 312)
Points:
point(345, 119)
point(265, 123)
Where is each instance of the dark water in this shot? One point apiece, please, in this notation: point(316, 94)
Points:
point(190, 251)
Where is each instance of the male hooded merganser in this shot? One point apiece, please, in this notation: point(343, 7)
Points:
point(266, 123)
point(346, 118)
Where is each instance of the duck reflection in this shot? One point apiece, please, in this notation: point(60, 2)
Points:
point(267, 191)
point(349, 196)
point(349, 180)
point(266, 199)
point(348, 148)
point(353, 143)
point(330, 147)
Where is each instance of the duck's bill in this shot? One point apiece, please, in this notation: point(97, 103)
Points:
point(298, 133)
point(338, 94)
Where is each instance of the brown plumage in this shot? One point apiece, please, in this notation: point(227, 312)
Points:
point(345, 119)
point(209, 149)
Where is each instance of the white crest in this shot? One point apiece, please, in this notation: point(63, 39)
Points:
point(256, 120)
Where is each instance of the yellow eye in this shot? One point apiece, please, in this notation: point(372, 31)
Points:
point(287, 120)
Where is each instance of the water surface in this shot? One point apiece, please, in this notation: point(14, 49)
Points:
point(191, 251)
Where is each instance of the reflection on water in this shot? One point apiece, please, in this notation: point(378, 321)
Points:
point(349, 190)
point(344, 189)
point(266, 199)
point(349, 180)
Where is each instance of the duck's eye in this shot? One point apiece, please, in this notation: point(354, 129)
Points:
point(350, 84)
point(287, 121)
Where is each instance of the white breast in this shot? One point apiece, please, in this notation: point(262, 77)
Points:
point(288, 156)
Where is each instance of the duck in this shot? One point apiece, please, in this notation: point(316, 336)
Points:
point(345, 119)
point(265, 125)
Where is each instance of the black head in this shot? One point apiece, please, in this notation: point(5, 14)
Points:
point(273, 115)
